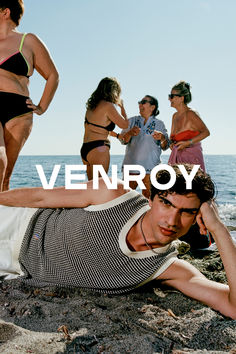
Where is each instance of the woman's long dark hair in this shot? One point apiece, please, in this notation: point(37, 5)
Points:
point(108, 90)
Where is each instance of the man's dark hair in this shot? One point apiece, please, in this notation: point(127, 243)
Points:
point(202, 184)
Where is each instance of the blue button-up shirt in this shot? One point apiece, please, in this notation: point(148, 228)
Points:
point(143, 149)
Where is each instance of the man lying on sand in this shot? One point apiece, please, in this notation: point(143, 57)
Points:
point(113, 241)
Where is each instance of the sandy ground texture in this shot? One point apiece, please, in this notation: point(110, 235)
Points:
point(150, 320)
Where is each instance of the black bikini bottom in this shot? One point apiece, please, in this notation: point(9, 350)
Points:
point(12, 105)
point(87, 147)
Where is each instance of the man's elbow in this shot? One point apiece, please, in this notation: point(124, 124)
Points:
point(232, 312)
point(233, 316)
point(229, 309)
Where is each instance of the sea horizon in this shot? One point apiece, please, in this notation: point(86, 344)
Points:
point(163, 154)
point(222, 169)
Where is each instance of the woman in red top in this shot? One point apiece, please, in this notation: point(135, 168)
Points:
point(187, 131)
point(187, 128)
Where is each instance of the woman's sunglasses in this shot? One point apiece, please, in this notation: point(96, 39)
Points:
point(172, 95)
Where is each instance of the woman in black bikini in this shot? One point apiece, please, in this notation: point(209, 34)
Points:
point(100, 119)
point(19, 55)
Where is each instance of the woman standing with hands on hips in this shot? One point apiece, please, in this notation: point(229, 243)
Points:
point(100, 119)
point(20, 54)
point(187, 128)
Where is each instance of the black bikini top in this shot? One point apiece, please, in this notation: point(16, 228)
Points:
point(16, 63)
point(109, 127)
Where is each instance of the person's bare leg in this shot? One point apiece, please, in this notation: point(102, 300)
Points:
point(88, 170)
point(147, 183)
point(133, 184)
point(98, 156)
point(16, 132)
point(3, 157)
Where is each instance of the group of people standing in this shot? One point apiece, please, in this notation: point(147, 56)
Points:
point(145, 136)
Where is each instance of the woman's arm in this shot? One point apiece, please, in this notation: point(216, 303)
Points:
point(196, 124)
point(171, 142)
point(172, 125)
point(122, 109)
point(116, 117)
point(199, 125)
point(126, 136)
point(159, 136)
point(43, 63)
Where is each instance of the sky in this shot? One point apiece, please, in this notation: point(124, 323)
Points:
point(148, 46)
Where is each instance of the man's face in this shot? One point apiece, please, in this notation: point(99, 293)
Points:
point(172, 215)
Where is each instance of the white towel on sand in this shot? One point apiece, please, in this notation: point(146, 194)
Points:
point(13, 224)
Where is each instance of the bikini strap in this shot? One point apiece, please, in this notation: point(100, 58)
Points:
point(96, 125)
point(22, 41)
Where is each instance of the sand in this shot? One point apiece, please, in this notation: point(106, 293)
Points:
point(150, 320)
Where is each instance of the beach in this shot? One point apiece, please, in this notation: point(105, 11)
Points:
point(148, 47)
point(152, 319)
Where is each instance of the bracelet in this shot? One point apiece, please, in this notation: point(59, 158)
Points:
point(191, 142)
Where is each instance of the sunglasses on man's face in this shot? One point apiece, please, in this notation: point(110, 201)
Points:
point(172, 95)
point(144, 101)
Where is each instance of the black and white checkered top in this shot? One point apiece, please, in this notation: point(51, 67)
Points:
point(86, 247)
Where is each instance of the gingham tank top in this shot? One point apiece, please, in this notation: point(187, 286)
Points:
point(86, 247)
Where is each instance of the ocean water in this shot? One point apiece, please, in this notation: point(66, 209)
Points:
point(222, 169)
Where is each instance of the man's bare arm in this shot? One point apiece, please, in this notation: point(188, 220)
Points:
point(186, 278)
point(61, 197)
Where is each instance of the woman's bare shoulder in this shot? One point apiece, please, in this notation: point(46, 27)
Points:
point(107, 104)
point(33, 40)
point(193, 113)
point(175, 115)
point(106, 107)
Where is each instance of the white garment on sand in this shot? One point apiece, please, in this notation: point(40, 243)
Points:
point(13, 224)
